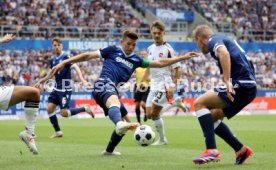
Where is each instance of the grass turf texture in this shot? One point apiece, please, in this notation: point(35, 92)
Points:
point(85, 139)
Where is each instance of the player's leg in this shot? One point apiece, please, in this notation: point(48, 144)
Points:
point(158, 101)
point(53, 101)
point(143, 105)
point(137, 100)
point(32, 97)
point(167, 107)
point(66, 111)
point(115, 112)
point(202, 105)
point(138, 111)
point(51, 110)
point(222, 130)
point(242, 98)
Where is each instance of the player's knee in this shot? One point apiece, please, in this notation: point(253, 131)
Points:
point(198, 105)
point(34, 95)
point(64, 113)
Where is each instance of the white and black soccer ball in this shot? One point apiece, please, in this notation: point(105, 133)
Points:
point(144, 135)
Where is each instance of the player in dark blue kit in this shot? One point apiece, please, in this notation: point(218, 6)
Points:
point(118, 66)
point(213, 106)
point(61, 94)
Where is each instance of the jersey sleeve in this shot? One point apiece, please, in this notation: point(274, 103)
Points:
point(105, 52)
point(214, 43)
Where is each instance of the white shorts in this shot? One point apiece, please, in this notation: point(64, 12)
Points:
point(157, 97)
point(5, 96)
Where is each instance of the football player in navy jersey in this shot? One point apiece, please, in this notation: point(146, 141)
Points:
point(118, 66)
point(61, 94)
point(240, 89)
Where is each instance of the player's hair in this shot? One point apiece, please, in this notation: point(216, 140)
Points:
point(58, 40)
point(203, 31)
point(130, 34)
point(158, 24)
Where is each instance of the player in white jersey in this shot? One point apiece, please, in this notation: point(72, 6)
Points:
point(11, 95)
point(162, 84)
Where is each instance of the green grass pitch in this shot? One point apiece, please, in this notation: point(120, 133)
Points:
point(85, 139)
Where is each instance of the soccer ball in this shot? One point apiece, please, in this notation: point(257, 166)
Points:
point(144, 135)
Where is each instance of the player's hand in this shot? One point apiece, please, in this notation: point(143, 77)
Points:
point(37, 85)
point(7, 38)
point(57, 68)
point(230, 91)
point(87, 84)
point(191, 55)
point(140, 87)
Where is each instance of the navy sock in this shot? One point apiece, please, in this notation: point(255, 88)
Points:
point(54, 121)
point(225, 133)
point(138, 113)
point(114, 141)
point(75, 111)
point(207, 126)
point(114, 114)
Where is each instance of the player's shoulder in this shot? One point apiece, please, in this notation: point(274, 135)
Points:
point(151, 47)
point(168, 46)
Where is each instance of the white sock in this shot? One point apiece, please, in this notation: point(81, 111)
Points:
point(159, 125)
point(167, 107)
point(30, 114)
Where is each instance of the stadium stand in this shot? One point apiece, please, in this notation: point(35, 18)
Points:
point(26, 67)
point(248, 20)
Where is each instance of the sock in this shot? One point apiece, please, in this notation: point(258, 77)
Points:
point(159, 125)
point(54, 121)
point(74, 111)
point(225, 133)
point(167, 107)
point(31, 109)
point(207, 125)
point(114, 114)
point(114, 141)
point(138, 113)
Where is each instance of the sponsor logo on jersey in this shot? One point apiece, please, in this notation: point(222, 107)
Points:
point(161, 55)
point(121, 60)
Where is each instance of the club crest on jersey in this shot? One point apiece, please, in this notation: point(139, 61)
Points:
point(161, 55)
point(121, 60)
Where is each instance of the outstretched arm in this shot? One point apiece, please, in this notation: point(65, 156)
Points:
point(44, 79)
point(78, 71)
point(7, 38)
point(169, 61)
point(78, 58)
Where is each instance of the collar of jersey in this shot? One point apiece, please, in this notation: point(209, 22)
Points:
point(59, 55)
point(125, 53)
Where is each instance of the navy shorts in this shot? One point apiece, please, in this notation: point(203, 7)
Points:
point(61, 99)
point(244, 95)
point(102, 91)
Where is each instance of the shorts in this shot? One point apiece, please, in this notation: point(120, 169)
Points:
point(244, 95)
point(61, 99)
point(157, 97)
point(141, 96)
point(102, 92)
point(5, 96)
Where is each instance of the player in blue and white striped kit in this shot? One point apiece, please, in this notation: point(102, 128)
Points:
point(118, 66)
point(213, 106)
